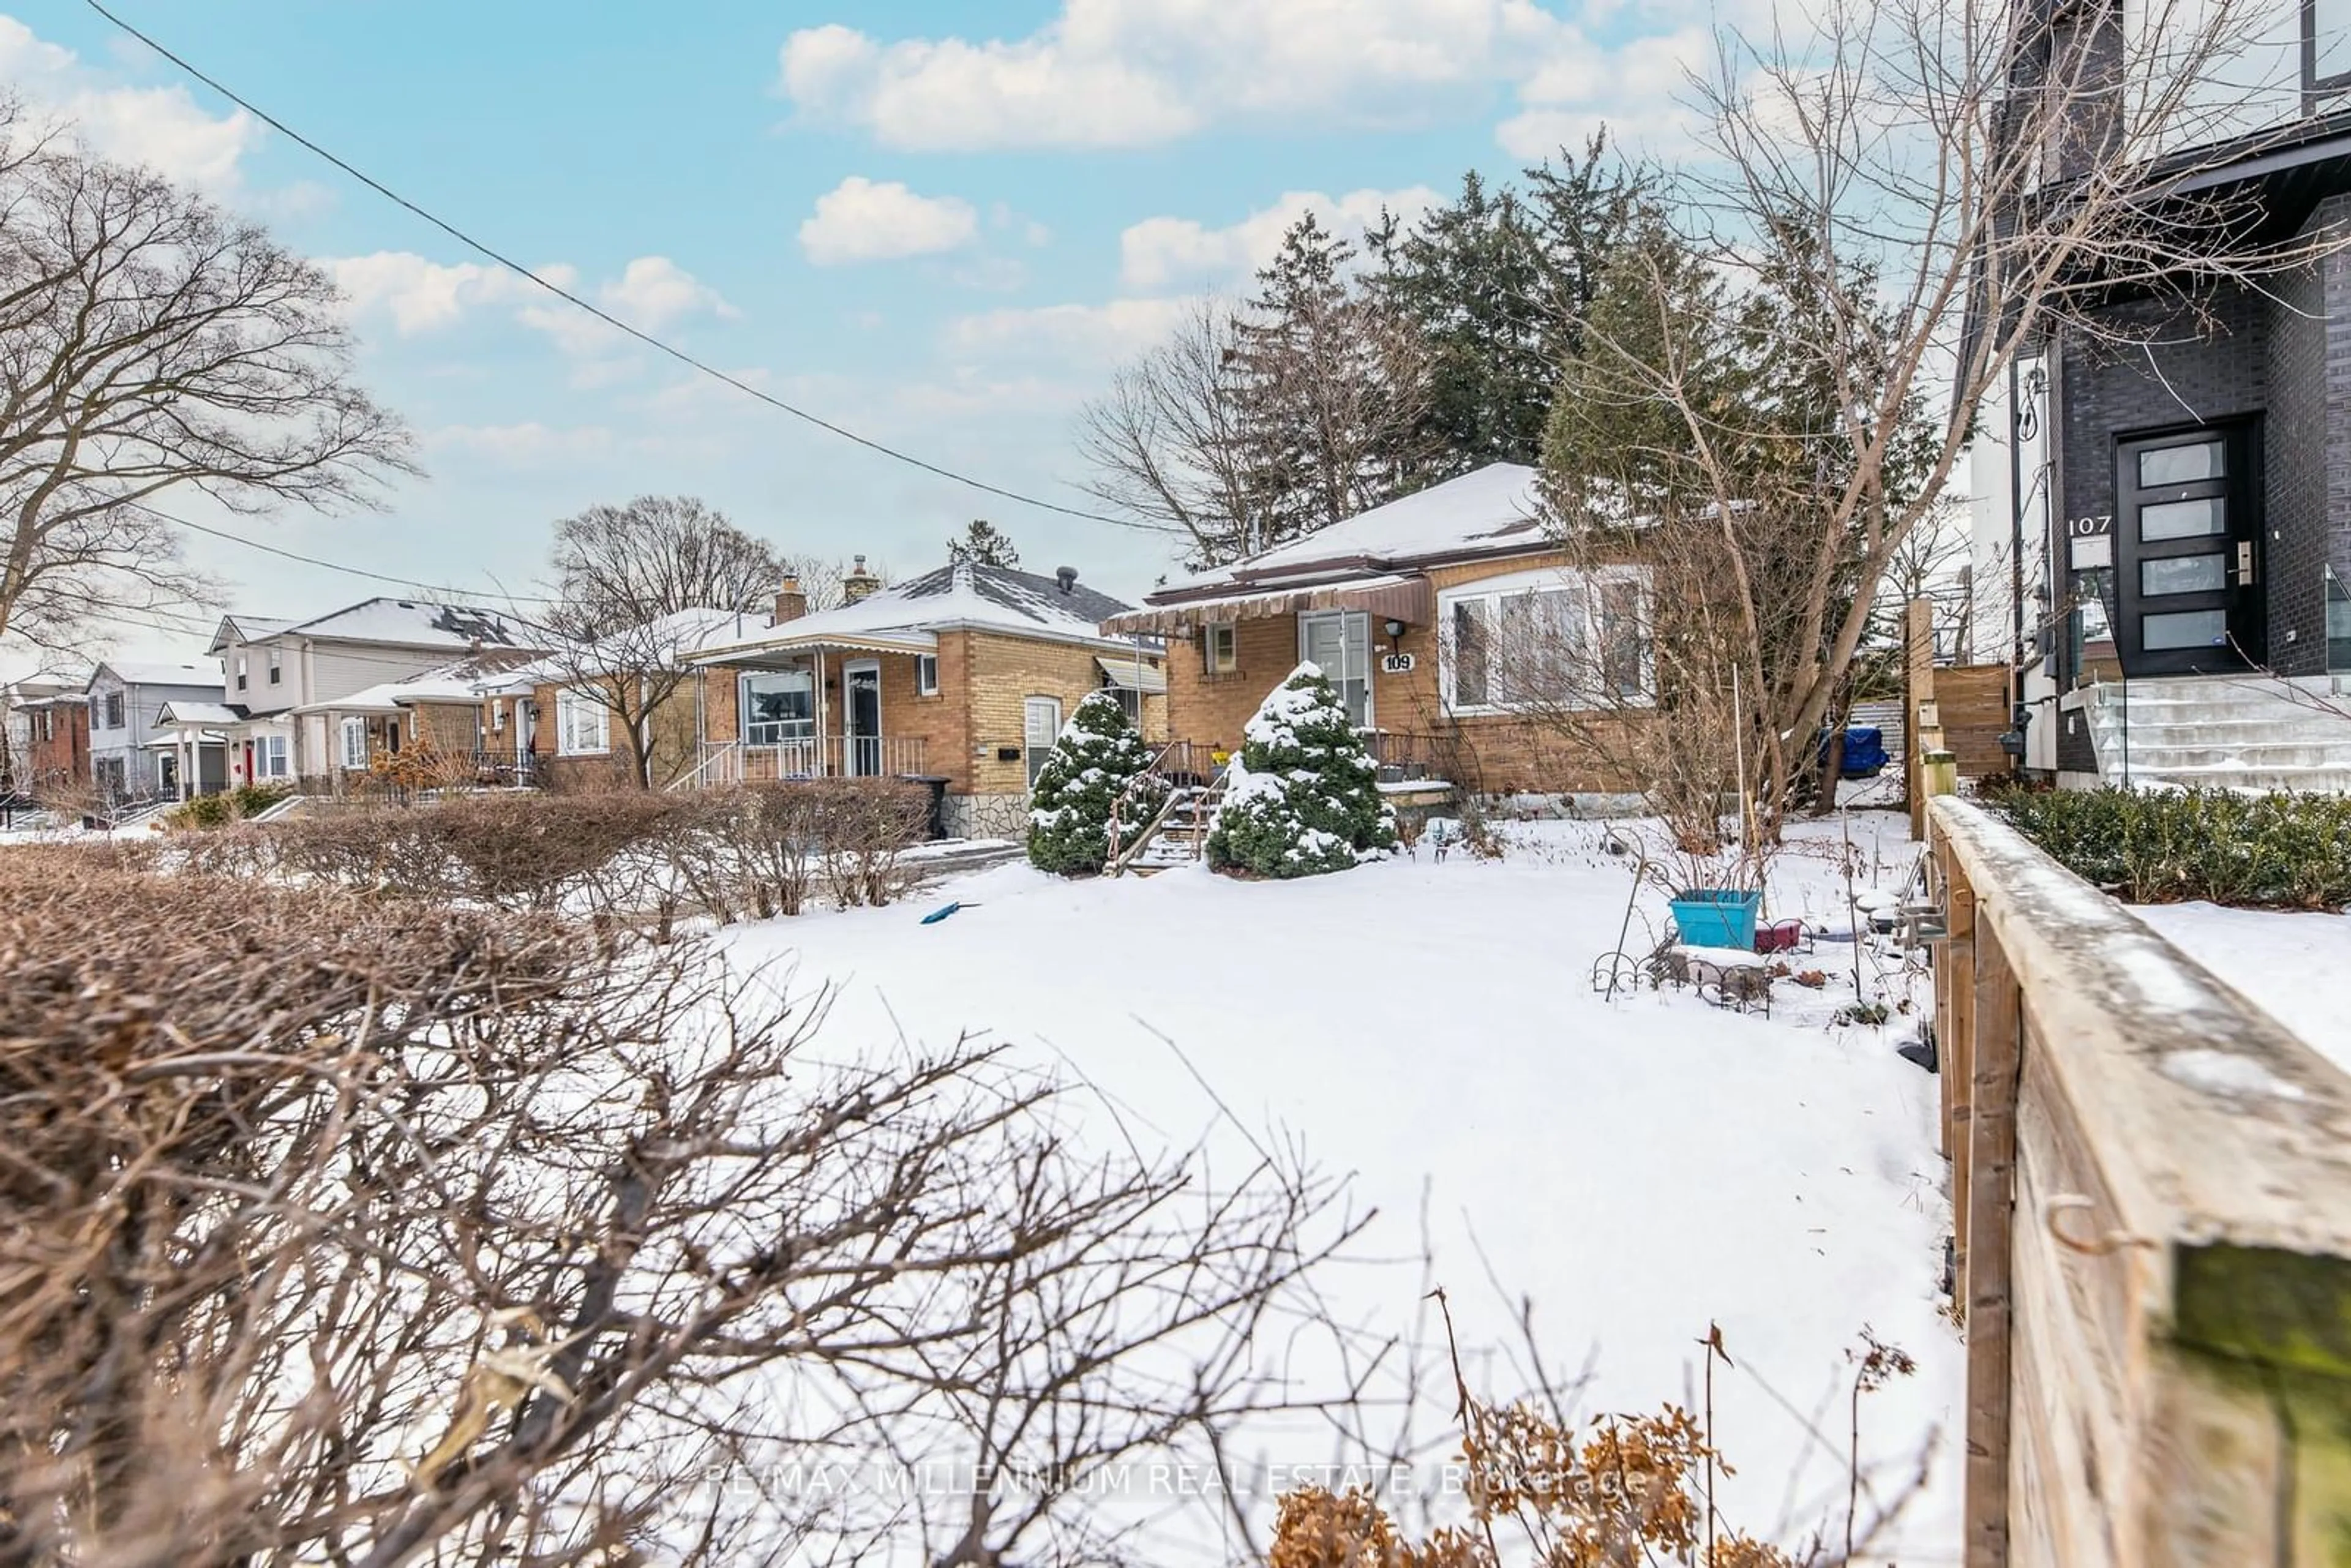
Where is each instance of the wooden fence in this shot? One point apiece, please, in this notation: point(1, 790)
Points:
point(2151, 1186)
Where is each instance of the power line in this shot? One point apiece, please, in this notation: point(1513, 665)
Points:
point(651, 342)
point(408, 582)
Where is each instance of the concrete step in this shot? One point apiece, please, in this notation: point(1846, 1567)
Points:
point(2255, 780)
point(2253, 756)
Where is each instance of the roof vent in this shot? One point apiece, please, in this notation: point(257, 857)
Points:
point(1067, 576)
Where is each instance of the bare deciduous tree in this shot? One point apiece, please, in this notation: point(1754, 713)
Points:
point(151, 341)
point(1168, 439)
point(1259, 425)
point(641, 676)
point(1921, 192)
point(618, 567)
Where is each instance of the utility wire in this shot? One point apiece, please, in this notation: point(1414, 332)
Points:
point(647, 339)
point(413, 584)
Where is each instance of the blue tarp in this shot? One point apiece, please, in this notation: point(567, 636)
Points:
point(1865, 752)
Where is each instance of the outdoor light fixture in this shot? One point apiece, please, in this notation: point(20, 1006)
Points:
point(1396, 628)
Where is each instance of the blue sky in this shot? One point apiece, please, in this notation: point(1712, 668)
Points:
point(942, 226)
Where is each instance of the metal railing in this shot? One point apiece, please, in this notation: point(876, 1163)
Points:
point(727, 762)
point(1402, 756)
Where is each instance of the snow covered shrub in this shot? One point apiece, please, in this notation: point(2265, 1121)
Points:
point(1097, 756)
point(1303, 796)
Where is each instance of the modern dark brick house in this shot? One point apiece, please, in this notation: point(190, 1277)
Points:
point(2184, 494)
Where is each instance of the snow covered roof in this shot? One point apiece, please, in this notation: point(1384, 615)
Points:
point(960, 596)
point(1493, 510)
point(242, 628)
point(142, 673)
point(1408, 599)
point(668, 639)
point(178, 712)
point(408, 622)
point(387, 696)
point(460, 681)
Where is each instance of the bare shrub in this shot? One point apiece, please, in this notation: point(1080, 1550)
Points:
point(749, 853)
point(1618, 1491)
point(866, 826)
point(375, 1231)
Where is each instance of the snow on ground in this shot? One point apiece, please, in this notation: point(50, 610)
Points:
point(2275, 958)
point(1637, 1167)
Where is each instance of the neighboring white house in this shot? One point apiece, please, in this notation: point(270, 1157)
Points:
point(278, 677)
point(133, 750)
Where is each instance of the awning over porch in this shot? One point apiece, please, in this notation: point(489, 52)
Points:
point(775, 651)
point(1130, 675)
point(1397, 598)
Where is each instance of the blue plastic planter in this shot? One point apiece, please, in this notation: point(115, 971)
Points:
point(1716, 917)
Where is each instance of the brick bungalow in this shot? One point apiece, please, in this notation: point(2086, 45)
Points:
point(441, 715)
point(1396, 605)
point(548, 721)
point(964, 675)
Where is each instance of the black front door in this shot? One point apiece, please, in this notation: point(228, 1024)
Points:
point(2187, 557)
point(864, 728)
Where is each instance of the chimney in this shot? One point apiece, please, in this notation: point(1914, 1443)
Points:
point(1067, 576)
point(791, 602)
point(859, 583)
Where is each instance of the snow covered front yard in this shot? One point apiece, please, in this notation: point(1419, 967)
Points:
point(1634, 1169)
point(2290, 964)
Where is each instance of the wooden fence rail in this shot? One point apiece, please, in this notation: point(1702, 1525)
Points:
point(2151, 1192)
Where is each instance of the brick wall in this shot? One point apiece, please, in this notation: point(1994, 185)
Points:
point(676, 744)
point(61, 758)
point(1005, 672)
point(984, 679)
point(2285, 361)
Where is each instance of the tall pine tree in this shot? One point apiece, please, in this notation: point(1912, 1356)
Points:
point(1497, 283)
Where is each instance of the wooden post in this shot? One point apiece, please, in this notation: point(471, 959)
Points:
point(1998, 1051)
point(1955, 995)
point(1918, 689)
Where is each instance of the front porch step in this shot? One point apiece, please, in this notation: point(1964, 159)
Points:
point(2225, 731)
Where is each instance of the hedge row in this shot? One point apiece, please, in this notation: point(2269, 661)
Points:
point(727, 854)
point(2253, 852)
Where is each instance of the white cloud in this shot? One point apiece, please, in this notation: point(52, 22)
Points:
point(862, 220)
point(653, 292)
point(420, 295)
point(1640, 91)
point(161, 127)
point(1140, 72)
point(1104, 334)
point(1160, 254)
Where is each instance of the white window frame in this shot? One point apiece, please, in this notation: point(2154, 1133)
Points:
point(244, 670)
point(926, 674)
point(583, 725)
point(273, 756)
point(1347, 618)
point(276, 665)
point(1227, 632)
point(1588, 586)
point(1030, 752)
point(788, 732)
point(355, 757)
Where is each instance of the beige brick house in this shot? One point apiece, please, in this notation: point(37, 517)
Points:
point(1404, 608)
point(965, 674)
